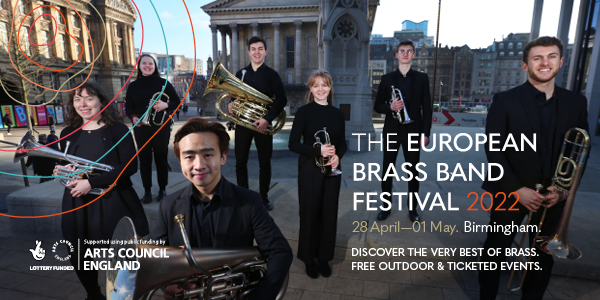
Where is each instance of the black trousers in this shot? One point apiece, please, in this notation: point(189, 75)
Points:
point(536, 281)
point(159, 145)
point(8, 129)
point(318, 197)
point(389, 158)
point(264, 148)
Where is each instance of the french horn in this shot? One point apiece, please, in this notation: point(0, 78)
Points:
point(150, 118)
point(250, 104)
point(217, 273)
point(71, 172)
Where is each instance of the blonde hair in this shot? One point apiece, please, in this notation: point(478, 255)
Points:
point(324, 75)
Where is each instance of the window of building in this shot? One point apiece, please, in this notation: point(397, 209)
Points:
point(511, 53)
point(4, 35)
point(63, 47)
point(45, 49)
point(501, 46)
point(289, 52)
point(54, 81)
point(21, 7)
point(25, 41)
point(510, 45)
point(519, 45)
point(501, 53)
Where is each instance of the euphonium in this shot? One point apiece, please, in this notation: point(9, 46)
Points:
point(250, 105)
point(322, 161)
point(77, 164)
point(401, 115)
point(576, 146)
point(218, 273)
point(149, 118)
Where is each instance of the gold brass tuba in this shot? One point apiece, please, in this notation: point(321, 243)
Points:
point(149, 118)
point(250, 105)
point(566, 179)
point(76, 163)
point(322, 161)
point(218, 273)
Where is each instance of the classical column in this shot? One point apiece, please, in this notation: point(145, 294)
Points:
point(87, 56)
point(229, 61)
point(327, 53)
point(276, 46)
point(131, 45)
point(235, 51)
point(297, 53)
point(125, 47)
point(254, 26)
point(536, 19)
point(109, 41)
point(215, 45)
point(223, 56)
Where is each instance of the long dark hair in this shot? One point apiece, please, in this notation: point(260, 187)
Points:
point(139, 70)
point(109, 116)
point(324, 75)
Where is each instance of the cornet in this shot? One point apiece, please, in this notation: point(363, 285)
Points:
point(149, 118)
point(217, 273)
point(77, 164)
point(322, 161)
point(401, 115)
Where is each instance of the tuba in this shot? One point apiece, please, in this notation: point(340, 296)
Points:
point(401, 115)
point(250, 105)
point(217, 273)
point(77, 164)
point(322, 161)
point(576, 146)
point(150, 118)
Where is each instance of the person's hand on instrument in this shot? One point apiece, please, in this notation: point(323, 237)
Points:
point(530, 198)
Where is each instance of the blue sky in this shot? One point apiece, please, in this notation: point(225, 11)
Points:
point(472, 22)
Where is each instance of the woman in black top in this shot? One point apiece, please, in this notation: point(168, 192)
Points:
point(98, 220)
point(139, 94)
point(318, 193)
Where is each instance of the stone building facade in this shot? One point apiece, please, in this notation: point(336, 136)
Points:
point(114, 64)
point(302, 37)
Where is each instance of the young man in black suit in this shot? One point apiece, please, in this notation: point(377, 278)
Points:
point(414, 86)
point(541, 111)
point(267, 81)
point(218, 213)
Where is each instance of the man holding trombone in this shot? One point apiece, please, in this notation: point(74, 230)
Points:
point(541, 111)
point(402, 95)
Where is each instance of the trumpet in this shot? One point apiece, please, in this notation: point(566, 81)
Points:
point(77, 164)
point(576, 146)
point(218, 273)
point(401, 115)
point(323, 161)
point(149, 118)
point(250, 106)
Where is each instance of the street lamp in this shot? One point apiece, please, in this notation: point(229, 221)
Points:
point(440, 96)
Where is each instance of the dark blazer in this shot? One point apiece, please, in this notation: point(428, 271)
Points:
point(418, 106)
point(118, 158)
point(514, 112)
point(241, 219)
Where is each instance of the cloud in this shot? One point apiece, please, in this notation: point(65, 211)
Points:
point(166, 15)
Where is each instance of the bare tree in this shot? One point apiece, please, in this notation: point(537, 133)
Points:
point(21, 65)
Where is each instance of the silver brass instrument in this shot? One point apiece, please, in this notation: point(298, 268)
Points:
point(401, 115)
point(217, 273)
point(566, 179)
point(250, 105)
point(150, 118)
point(322, 161)
point(77, 164)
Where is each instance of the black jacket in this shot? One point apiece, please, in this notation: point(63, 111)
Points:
point(140, 92)
point(241, 219)
point(514, 112)
point(420, 100)
point(118, 158)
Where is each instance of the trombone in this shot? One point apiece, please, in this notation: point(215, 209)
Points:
point(566, 179)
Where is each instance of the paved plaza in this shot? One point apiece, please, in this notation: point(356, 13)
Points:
point(571, 279)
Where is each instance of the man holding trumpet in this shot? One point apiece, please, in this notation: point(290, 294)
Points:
point(541, 111)
point(413, 103)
